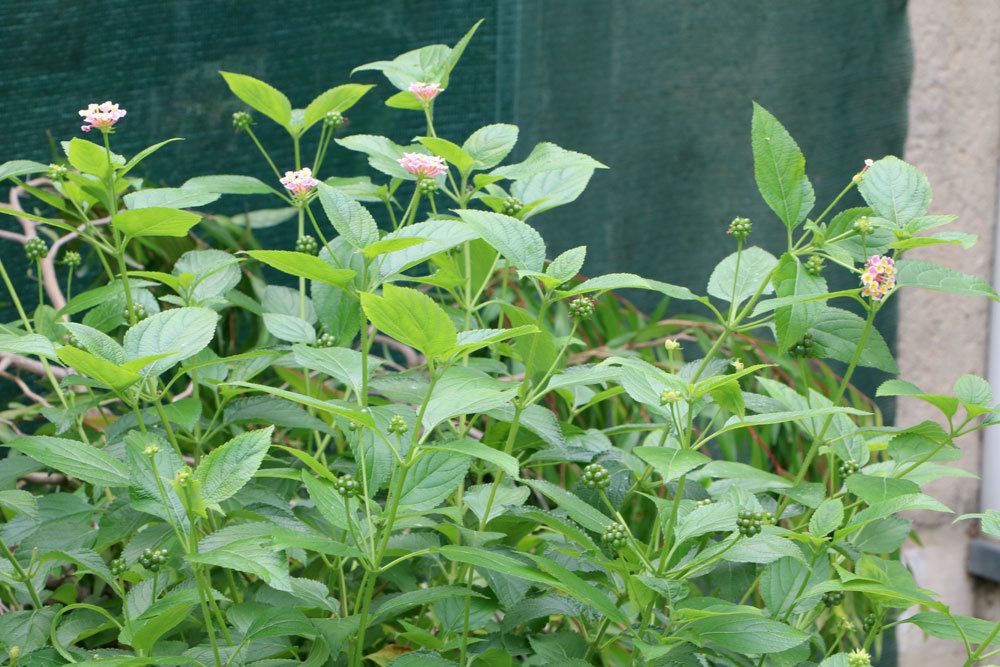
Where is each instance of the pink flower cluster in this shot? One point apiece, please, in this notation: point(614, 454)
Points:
point(300, 182)
point(879, 277)
point(423, 166)
point(425, 92)
point(102, 116)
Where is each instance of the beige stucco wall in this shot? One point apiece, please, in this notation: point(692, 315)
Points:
point(954, 137)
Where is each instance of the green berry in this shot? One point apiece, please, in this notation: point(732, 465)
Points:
point(138, 312)
point(152, 559)
point(804, 348)
point(740, 228)
point(615, 536)
point(581, 308)
point(595, 476)
point(870, 622)
point(57, 172)
point(848, 468)
point(118, 566)
point(704, 502)
point(814, 265)
point(833, 598)
point(750, 523)
point(427, 186)
point(398, 425)
point(347, 486)
point(334, 120)
point(511, 206)
point(306, 244)
point(36, 249)
point(326, 340)
point(242, 120)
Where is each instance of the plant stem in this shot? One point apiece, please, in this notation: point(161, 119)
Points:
point(21, 573)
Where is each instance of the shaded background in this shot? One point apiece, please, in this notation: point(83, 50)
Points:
point(659, 90)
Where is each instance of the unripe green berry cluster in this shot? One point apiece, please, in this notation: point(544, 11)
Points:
point(397, 425)
point(848, 468)
point(334, 120)
point(804, 348)
point(595, 476)
point(138, 312)
point(704, 502)
point(581, 308)
point(347, 486)
point(152, 559)
point(242, 120)
point(833, 598)
point(814, 265)
point(306, 244)
point(57, 172)
point(118, 566)
point(668, 396)
point(72, 259)
point(863, 226)
point(326, 340)
point(740, 228)
point(36, 249)
point(750, 523)
point(870, 622)
point(511, 206)
point(615, 536)
point(427, 186)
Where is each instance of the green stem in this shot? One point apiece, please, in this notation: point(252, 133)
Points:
point(263, 152)
point(21, 574)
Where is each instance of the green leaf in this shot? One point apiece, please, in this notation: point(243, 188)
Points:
point(176, 334)
point(385, 246)
point(341, 363)
point(413, 318)
point(584, 514)
point(550, 176)
point(342, 410)
point(974, 391)
point(837, 332)
point(75, 459)
point(340, 99)
point(351, 220)
point(780, 169)
point(579, 589)
point(289, 328)
point(746, 633)
point(453, 153)
point(155, 222)
point(792, 279)
point(228, 468)
point(106, 372)
point(489, 145)
point(671, 463)
point(615, 281)
point(250, 557)
point(28, 344)
point(88, 157)
point(517, 241)
point(302, 265)
point(463, 391)
point(736, 280)
point(17, 501)
point(145, 153)
point(916, 273)
point(432, 479)
point(827, 517)
point(169, 198)
point(392, 606)
point(476, 449)
point(382, 153)
point(225, 184)
point(260, 96)
point(942, 626)
point(762, 549)
point(895, 190)
point(14, 168)
point(566, 266)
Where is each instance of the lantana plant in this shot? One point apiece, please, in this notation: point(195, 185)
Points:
point(415, 440)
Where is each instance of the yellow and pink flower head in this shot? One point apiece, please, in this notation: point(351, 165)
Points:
point(879, 277)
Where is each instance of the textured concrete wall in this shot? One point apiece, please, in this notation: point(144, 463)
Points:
point(954, 137)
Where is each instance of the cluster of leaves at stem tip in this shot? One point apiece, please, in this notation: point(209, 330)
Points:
point(413, 440)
